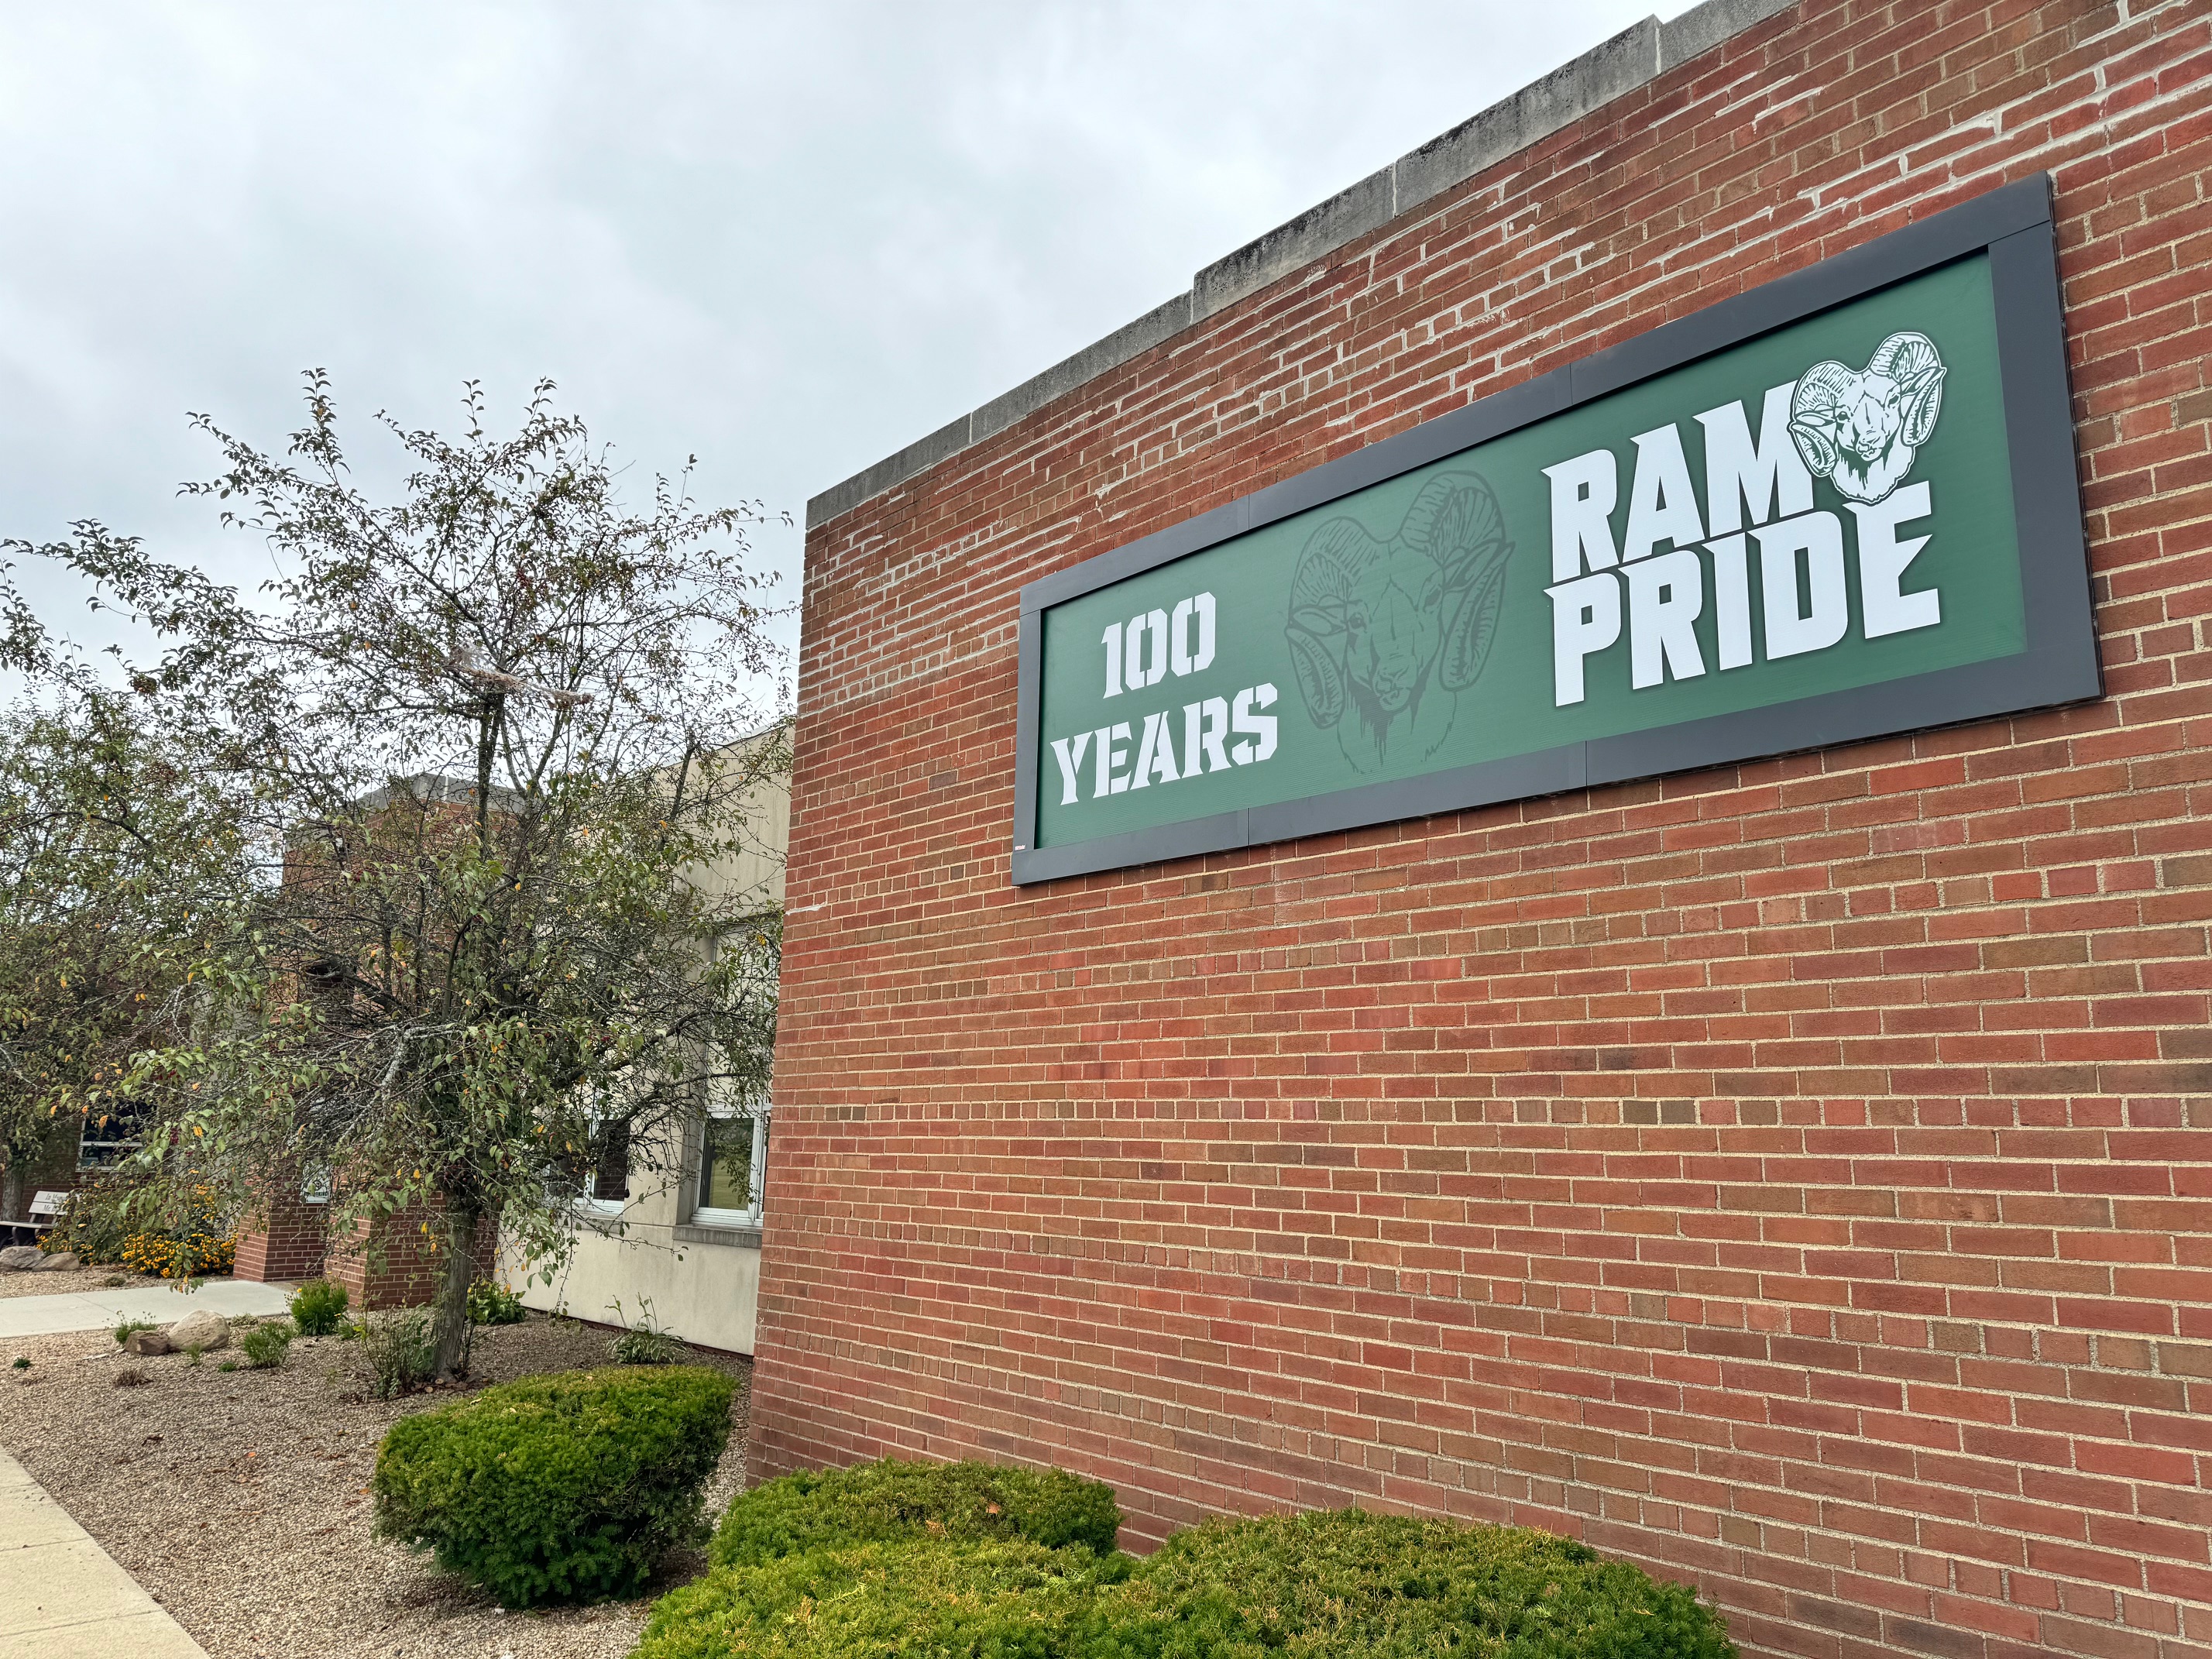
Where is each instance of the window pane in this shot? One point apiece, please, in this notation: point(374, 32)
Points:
point(107, 1137)
point(726, 1181)
point(611, 1162)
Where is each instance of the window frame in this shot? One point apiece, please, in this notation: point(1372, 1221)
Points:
point(116, 1146)
point(706, 1215)
point(588, 1202)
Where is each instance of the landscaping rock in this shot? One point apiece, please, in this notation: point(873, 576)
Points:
point(203, 1330)
point(145, 1342)
point(64, 1262)
point(21, 1258)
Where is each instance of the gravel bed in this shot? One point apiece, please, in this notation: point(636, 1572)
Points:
point(238, 1498)
point(74, 1278)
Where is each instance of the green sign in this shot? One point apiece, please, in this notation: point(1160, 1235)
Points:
point(1820, 511)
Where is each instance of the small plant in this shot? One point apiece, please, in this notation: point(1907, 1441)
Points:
point(401, 1353)
point(131, 1377)
point(645, 1343)
point(192, 1352)
point(318, 1307)
point(114, 1279)
point(265, 1345)
point(22, 1363)
point(227, 1365)
point(557, 1488)
point(191, 1256)
point(130, 1328)
point(493, 1303)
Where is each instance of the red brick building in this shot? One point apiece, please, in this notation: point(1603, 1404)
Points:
point(1790, 1175)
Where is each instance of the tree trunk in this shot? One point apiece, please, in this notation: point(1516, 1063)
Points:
point(11, 1192)
point(452, 1324)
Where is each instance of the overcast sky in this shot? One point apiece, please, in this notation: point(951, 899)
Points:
point(788, 239)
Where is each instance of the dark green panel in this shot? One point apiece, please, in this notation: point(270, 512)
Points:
point(1419, 606)
point(1838, 505)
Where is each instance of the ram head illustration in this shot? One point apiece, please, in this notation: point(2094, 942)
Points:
point(1391, 632)
point(1860, 428)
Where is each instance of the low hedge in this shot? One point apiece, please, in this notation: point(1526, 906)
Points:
point(891, 1499)
point(1004, 1598)
point(567, 1487)
point(1345, 1582)
point(964, 1561)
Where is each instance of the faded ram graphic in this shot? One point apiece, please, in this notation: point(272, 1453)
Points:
point(1860, 428)
point(1385, 635)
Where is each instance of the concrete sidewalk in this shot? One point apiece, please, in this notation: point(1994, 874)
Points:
point(61, 1596)
point(93, 1310)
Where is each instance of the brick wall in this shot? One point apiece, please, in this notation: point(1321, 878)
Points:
point(393, 1262)
point(1792, 1177)
point(287, 1244)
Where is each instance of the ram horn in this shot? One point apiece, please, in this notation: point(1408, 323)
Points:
point(1466, 536)
point(1335, 557)
point(1913, 362)
point(1457, 522)
point(1816, 414)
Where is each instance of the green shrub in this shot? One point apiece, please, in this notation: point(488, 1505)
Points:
point(318, 1307)
point(401, 1351)
point(130, 1328)
point(493, 1303)
point(967, 1561)
point(264, 1346)
point(1005, 1598)
point(567, 1487)
point(890, 1499)
point(124, 1217)
point(96, 1224)
point(1351, 1585)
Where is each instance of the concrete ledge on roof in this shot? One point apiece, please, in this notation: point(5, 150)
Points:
point(1542, 107)
point(1538, 110)
point(1703, 27)
point(1368, 205)
point(948, 440)
point(1161, 323)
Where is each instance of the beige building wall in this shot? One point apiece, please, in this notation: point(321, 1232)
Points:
point(701, 1283)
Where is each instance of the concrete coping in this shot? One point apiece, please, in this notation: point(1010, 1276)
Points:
point(1605, 72)
point(743, 1238)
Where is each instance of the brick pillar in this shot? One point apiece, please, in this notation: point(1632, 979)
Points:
point(391, 1263)
point(288, 1244)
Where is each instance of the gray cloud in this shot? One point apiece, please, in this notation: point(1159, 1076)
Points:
point(788, 237)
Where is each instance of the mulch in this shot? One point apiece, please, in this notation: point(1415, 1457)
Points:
point(240, 1499)
point(69, 1279)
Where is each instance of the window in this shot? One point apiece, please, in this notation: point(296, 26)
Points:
point(608, 1180)
point(108, 1137)
point(731, 1165)
point(600, 1167)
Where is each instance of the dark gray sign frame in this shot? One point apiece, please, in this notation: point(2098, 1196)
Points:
point(2013, 224)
